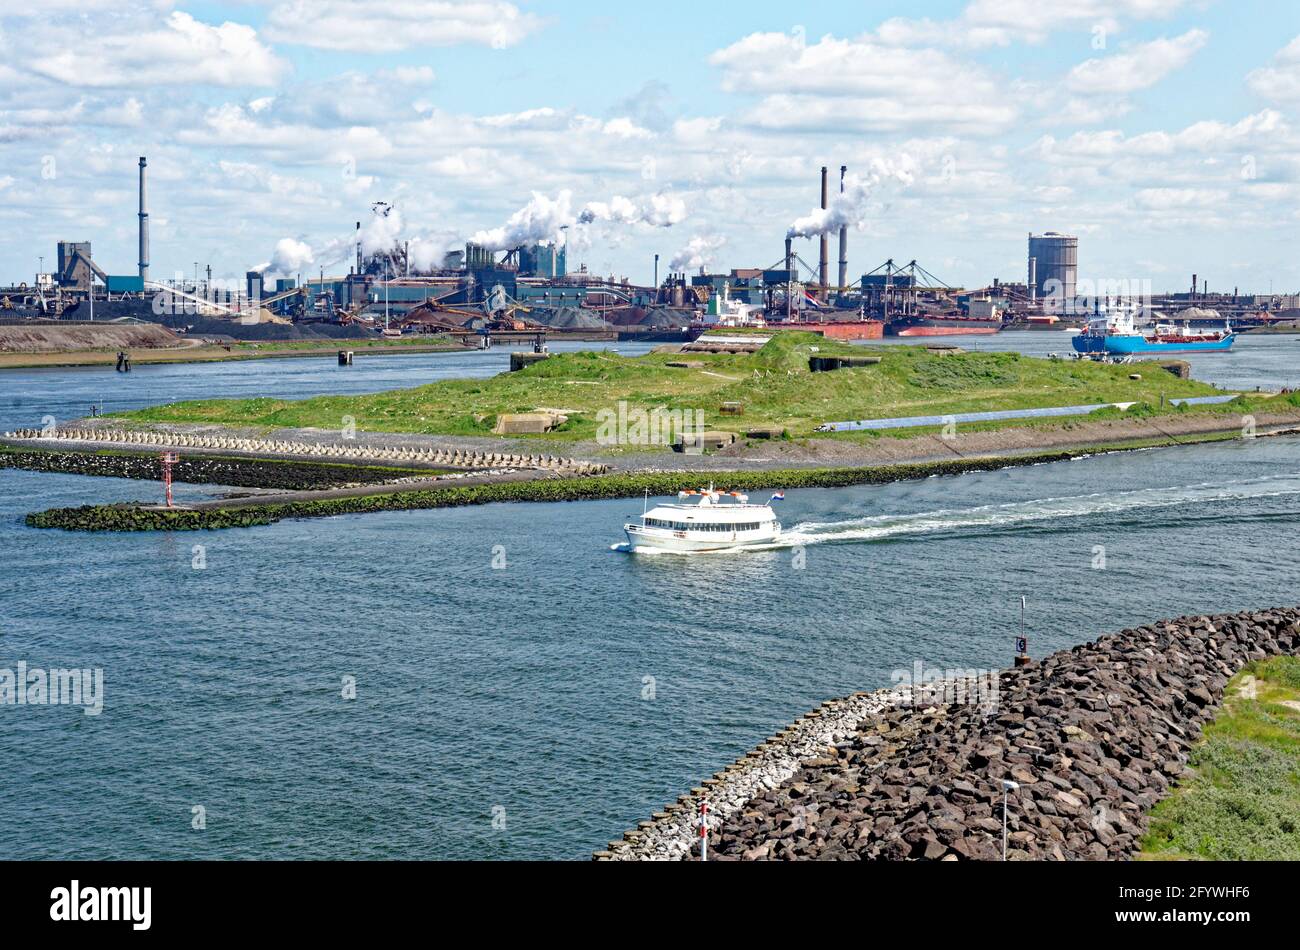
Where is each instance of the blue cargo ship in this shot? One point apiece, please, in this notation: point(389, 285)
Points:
point(1116, 334)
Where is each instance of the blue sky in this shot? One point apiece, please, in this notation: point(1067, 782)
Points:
point(1163, 132)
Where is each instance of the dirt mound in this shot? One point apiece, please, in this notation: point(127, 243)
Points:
point(55, 339)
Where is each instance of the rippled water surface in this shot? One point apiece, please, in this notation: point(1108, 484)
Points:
point(522, 689)
point(575, 690)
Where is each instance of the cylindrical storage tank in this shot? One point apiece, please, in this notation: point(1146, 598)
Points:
point(1057, 265)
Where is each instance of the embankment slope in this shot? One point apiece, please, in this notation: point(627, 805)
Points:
point(45, 338)
point(1093, 737)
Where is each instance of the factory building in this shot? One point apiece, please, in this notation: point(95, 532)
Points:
point(1053, 266)
point(742, 285)
point(543, 260)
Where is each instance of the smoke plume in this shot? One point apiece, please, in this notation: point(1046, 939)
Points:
point(658, 211)
point(539, 221)
point(289, 258)
point(698, 253)
point(849, 208)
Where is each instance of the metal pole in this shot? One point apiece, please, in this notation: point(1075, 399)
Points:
point(144, 224)
point(1004, 822)
point(704, 830)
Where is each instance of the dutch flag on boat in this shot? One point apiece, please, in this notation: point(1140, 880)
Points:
point(779, 496)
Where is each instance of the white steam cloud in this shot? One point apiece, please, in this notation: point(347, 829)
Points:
point(849, 208)
point(658, 211)
point(538, 221)
point(428, 253)
point(698, 253)
point(381, 234)
point(289, 258)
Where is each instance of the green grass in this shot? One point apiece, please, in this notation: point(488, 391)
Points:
point(774, 384)
point(1243, 801)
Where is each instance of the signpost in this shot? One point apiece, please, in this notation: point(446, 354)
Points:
point(168, 460)
point(704, 830)
point(1022, 642)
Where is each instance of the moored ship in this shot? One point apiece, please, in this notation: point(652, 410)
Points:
point(943, 324)
point(1115, 333)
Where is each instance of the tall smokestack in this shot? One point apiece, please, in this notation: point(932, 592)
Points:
point(789, 280)
point(824, 270)
point(844, 240)
point(144, 223)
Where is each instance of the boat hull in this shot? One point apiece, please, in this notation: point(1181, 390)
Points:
point(1125, 345)
point(847, 330)
point(949, 330)
point(943, 326)
point(680, 542)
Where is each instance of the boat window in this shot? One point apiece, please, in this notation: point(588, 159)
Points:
point(709, 527)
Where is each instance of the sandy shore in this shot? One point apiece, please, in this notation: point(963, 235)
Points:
point(211, 354)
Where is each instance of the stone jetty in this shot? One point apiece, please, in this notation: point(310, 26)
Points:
point(354, 453)
point(1091, 737)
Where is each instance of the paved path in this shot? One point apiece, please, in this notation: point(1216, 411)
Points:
point(917, 421)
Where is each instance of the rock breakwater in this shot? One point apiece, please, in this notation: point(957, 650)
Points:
point(207, 469)
point(345, 452)
point(1092, 737)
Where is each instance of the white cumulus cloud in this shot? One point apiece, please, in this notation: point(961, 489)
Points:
point(860, 83)
point(1137, 68)
point(1280, 80)
point(183, 51)
point(385, 26)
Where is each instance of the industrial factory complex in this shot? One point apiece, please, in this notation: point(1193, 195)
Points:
point(476, 293)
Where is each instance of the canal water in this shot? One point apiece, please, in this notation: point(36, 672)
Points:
point(524, 691)
point(27, 396)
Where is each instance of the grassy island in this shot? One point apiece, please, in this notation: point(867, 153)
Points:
point(774, 385)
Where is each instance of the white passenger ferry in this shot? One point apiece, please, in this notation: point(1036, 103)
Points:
point(715, 521)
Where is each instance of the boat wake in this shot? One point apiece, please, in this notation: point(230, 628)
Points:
point(1043, 510)
point(1038, 511)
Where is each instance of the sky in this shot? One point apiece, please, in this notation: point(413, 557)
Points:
point(1164, 133)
